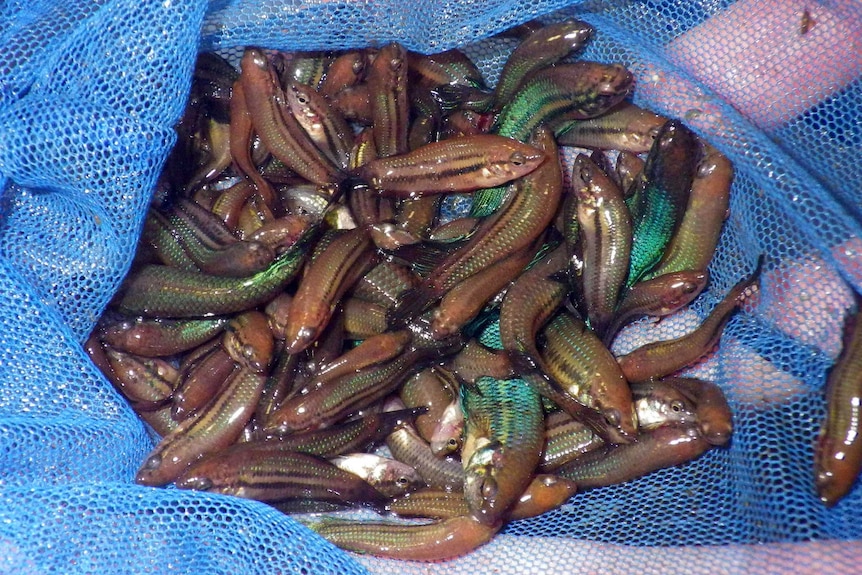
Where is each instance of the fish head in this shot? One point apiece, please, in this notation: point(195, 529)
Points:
point(577, 32)
point(394, 478)
point(615, 404)
point(448, 434)
point(481, 486)
point(622, 423)
point(659, 404)
point(608, 86)
point(716, 424)
point(683, 290)
point(249, 342)
point(511, 159)
point(584, 174)
point(835, 469)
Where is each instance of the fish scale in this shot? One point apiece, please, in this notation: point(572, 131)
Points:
point(157, 233)
point(504, 410)
point(696, 238)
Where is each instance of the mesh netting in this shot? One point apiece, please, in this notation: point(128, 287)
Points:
point(89, 92)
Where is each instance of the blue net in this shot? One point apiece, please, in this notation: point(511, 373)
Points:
point(89, 94)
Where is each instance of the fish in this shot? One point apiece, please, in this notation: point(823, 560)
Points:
point(525, 217)
point(838, 449)
point(661, 196)
point(695, 240)
point(665, 446)
point(661, 358)
point(213, 428)
point(605, 231)
point(625, 127)
point(159, 337)
point(503, 439)
point(540, 49)
point(265, 472)
point(436, 541)
point(454, 165)
point(390, 477)
point(580, 365)
point(329, 274)
point(565, 91)
point(656, 297)
point(281, 133)
point(390, 107)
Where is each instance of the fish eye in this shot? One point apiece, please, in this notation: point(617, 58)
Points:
point(517, 159)
point(453, 442)
point(259, 59)
point(300, 97)
point(706, 168)
point(613, 416)
point(402, 481)
point(489, 488)
point(676, 406)
point(202, 483)
point(153, 462)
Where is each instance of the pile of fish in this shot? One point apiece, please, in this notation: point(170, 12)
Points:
point(305, 293)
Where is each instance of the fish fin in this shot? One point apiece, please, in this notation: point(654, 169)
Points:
point(524, 363)
point(391, 419)
point(376, 500)
point(423, 257)
point(454, 96)
point(351, 181)
point(572, 308)
point(560, 276)
point(410, 304)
